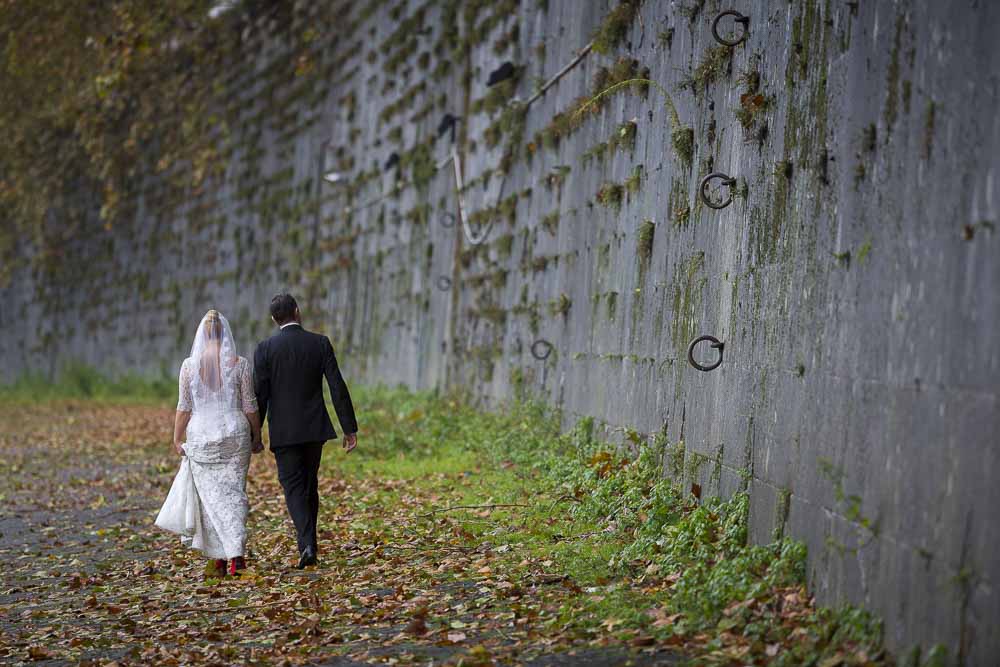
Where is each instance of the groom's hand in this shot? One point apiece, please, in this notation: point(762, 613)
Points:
point(257, 446)
point(350, 441)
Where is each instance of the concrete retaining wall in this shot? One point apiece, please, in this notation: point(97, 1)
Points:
point(852, 280)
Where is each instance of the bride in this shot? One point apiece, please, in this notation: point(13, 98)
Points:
point(215, 429)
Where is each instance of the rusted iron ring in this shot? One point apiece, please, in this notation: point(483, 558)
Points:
point(740, 18)
point(541, 343)
point(443, 283)
point(447, 219)
point(726, 180)
point(716, 343)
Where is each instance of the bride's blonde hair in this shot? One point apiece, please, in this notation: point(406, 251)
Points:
point(213, 325)
point(210, 372)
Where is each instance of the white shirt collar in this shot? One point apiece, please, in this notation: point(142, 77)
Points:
point(288, 324)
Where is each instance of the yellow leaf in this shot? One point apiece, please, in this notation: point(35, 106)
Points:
point(39, 653)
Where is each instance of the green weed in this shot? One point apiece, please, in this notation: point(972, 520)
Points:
point(603, 516)
point(78, 381)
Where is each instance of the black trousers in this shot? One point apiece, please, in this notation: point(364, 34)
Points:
point(298, 468)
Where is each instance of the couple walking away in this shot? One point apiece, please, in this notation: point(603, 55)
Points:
point(220, 413)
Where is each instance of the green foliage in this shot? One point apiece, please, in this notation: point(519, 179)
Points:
point(504, 244)
point(863, 251)
point(560, 305)
point(510, 122)
point(597, 151)
point(682, 140)
point(418, 215)
point(666, 38)
point(420, 162)
point(714, 64)
point(610, 195)
point(644, 240)
point(405, 102)
point(623, 137)
point(611, 304)
point(84, 93)
point(557, 176)
point(490, 312)
point(78, 381)
point(615, 26)
point(507, 40)
point(508, 208)
point(551, 222)
point(618, 77)
point(692, 10)
point(498, 95)
point(642, 523)
point(634, 180)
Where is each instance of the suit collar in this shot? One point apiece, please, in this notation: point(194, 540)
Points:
point(289, 331)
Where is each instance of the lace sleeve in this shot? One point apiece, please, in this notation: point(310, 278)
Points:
point(184, 388)
point(248, 400)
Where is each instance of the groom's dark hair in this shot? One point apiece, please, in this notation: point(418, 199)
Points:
point(283, 308)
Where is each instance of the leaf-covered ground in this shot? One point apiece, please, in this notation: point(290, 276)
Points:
point(450, 536)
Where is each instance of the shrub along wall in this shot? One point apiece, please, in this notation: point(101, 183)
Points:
point(856, 400)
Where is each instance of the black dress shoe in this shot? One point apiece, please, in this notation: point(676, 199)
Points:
point(307, 557)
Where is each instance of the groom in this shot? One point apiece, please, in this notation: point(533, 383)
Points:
point(289, 368)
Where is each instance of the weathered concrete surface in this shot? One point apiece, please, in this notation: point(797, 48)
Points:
point(853, 282)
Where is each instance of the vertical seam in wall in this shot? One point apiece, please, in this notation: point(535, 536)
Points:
point(456, 268)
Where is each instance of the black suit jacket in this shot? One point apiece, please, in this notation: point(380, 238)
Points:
point(288, 379)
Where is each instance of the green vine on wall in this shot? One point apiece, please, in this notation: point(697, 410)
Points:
point(96, 100)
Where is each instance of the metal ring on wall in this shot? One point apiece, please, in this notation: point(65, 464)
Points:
point(541, 343)
point(740, 18)
point(716, 343)
point(447, 219)
point(443, 283)
point(726, 180)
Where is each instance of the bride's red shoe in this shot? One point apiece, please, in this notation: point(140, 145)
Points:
point(236, 564)
point(220, 567)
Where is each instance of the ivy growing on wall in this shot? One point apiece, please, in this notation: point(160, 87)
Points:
point(95, 97)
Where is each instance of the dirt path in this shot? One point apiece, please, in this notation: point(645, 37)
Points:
point(88, 579)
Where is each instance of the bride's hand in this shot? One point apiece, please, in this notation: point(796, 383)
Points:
point(257, 446)
point(179, 448)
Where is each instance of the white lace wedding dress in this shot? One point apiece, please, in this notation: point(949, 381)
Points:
point(207, 503)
